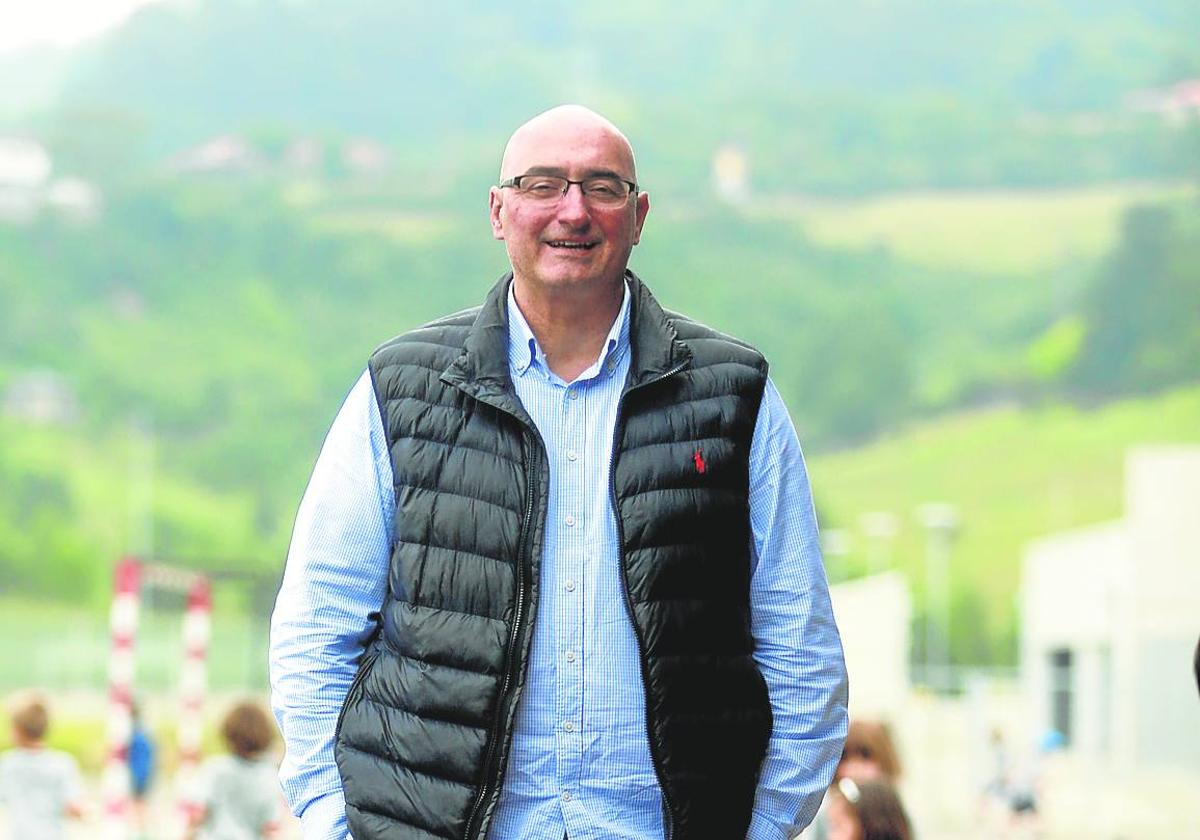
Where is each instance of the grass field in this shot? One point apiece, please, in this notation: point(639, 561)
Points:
point(1020, 232)
point(1013, 475)
point(63, 648)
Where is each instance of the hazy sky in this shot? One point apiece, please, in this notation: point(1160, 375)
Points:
point(24, 23)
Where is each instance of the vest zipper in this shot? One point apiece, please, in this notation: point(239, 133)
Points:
point(492, 773)
point(364, 664)
point(669, 812)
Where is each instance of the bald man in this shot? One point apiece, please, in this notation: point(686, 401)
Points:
point(556, 572)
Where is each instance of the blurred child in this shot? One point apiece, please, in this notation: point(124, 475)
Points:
point(868, 810)
point(141, 768)
point(40, 786)
point(869, 754)
point(239, 793)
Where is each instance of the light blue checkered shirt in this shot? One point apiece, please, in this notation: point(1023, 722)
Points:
point(580, 762)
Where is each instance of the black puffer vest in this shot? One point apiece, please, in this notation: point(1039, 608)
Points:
point(425, 731)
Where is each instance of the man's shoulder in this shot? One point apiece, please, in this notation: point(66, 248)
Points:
point(446, 330)
point(435, 339)
point(711, 346)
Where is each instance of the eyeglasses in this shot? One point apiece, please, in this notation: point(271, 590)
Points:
point(600, 191)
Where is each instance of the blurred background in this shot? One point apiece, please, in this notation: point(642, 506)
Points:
point(965, 233)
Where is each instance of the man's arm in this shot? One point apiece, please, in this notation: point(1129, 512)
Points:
point(797, 646)
point(336, 577)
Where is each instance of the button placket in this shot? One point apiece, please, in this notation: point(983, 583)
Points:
point(573, 494)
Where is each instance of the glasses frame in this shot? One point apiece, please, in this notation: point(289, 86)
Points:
point(515, 183)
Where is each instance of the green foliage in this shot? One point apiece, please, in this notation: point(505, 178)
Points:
point(1143, 307)
point(1056, 350)
point(836, 323)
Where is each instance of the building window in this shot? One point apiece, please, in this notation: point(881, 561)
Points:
point(1062, 680)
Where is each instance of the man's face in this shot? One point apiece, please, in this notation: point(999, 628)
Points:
point(568, 243)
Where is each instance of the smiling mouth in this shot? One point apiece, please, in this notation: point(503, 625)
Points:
point(572, 246)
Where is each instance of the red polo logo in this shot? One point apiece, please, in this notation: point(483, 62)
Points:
point(699, 459)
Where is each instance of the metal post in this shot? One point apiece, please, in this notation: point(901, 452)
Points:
point(123, 620)
point(940, 521)
point(835, 546)
point(881, 528)
point(193, 685)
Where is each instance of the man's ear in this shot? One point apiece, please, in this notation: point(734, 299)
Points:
point(495, 202)
point(643, 208)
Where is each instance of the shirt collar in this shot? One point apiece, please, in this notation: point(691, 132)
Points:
point(524, 351)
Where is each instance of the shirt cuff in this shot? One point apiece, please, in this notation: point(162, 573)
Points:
point(325, 818)
point(762, 828)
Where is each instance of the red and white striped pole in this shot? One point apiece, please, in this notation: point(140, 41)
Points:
point(193, 685)
point(123, 621)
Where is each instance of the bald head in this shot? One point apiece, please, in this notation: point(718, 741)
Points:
point(566, 127)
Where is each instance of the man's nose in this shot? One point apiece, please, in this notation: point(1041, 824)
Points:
point(573, 207)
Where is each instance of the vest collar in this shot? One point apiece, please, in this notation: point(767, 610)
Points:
point(656, 346)
point(481, 370)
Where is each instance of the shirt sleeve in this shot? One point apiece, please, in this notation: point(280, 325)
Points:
point(73, 781)
point(797, 646)
point(335, 580)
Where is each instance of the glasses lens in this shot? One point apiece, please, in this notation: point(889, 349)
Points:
point(605, 191)
point(542, 187)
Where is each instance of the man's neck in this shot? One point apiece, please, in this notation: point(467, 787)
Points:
point(570, 326)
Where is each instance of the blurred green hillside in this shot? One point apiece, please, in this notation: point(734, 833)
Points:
point(825, 97)
point(970, 254)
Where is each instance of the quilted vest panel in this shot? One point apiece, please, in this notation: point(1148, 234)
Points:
point(424, 734)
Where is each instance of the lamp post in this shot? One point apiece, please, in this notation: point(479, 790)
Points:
point(142, 454)
point(880, 528)
point(941, 524)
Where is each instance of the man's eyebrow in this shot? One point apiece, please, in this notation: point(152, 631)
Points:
point(562, 173)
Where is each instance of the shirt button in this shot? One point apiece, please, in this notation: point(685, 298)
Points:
point(566, 796)
point(570, 656)
point(572, 455)
point(569, 726)
point(569, 586)
point(573, 395)
point(570, 520)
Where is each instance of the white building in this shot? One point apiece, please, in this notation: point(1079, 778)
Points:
point(24, 170)
point(43, 397)
point(874, 615)
point(731, 174)
point(1110, 619)
point(224, 154)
